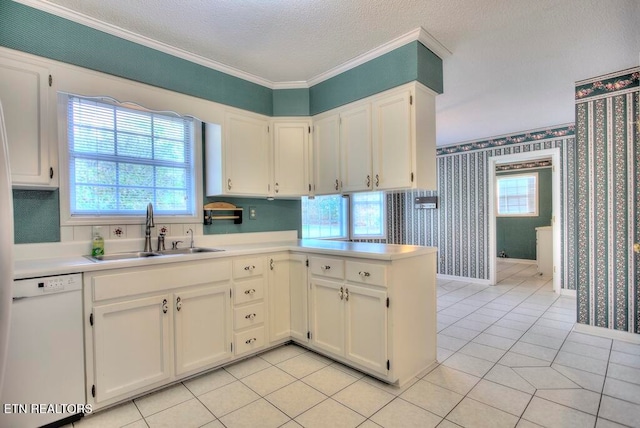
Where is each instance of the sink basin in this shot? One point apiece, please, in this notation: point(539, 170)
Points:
point(194, 250)
point(123, 256)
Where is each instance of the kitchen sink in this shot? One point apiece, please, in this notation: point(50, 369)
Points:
point(144, 254)
point(194, 250)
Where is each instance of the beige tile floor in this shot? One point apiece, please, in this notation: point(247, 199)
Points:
point(507, 354)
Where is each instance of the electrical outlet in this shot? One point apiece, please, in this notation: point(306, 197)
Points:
point(252, 213)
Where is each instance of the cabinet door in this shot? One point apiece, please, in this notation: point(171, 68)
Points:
point(326, 155)
point(298, 286)
point(246, 149)
point(132, 345)
point(291, 158)
point(355, 146)
point(24, 92)
point(202, 327)
point(366, 327)
point(392, 142)
point(279, 298)
point(327, 315)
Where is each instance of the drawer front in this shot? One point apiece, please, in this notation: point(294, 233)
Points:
point(250, 340)
point(248, 316)
point(248, 267)
point(367, 273)
point(327, 267)
point(251, 290)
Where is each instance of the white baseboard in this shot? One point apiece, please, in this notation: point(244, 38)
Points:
point(464, 279)
point(565, 292)
point(510, 260)
point(607, 333)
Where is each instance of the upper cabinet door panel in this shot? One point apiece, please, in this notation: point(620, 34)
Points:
point(291, 158)
point(355, 142)
point(393, 154)
point(326, 155)
point(246, 151)
point(24, 92)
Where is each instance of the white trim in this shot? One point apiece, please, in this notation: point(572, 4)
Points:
point(463, 279)
point(607, 332)
point(555, 185)
point(523, 261)
point(419, 34)
point(566, 292)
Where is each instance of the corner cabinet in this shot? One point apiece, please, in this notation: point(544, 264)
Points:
point(27, 95)
point(146, 327)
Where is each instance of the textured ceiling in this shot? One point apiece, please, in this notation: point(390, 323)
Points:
point(512, 67)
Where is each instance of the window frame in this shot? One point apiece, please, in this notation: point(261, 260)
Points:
point(67, 219)
point(350, 235)
point(536, 212)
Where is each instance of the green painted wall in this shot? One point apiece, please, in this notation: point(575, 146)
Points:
point(291, 102)
point(36, 216)
point(517, 235)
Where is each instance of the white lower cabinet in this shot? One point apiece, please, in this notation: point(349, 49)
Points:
point(327, 315)
point(249, 305)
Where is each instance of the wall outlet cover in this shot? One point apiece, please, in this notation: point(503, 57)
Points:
point(252, 213)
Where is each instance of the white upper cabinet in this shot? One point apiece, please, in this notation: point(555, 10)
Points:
point(291, 158)
point(326, 155)
point(25, 94)
point(237, 156)
point(355, 148)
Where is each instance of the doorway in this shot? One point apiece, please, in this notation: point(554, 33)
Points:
point(554, 155)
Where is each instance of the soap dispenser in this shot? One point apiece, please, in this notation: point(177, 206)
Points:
point(97, 246)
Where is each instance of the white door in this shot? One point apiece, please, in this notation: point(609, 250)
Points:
point(246, 152)
point(366, 327)
point(298, 286)
point(132, 345)
point(355, 148)
point(279, 298)
point(326, 155)
point(392, 142)
point(24, 91)
point(291, 158)
point(327, 315)
point(202, 327)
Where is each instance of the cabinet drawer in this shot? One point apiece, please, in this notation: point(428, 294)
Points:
point(327, 267)
point(249, 340)
point(247, 267)
point(247, 316)
point(367, 273)
point(248, 291)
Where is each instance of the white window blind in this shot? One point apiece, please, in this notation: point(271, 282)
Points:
point(518, 195)
point(120, 159)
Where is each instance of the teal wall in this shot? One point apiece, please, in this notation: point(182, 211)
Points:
point(517, 235)
point(36, 32)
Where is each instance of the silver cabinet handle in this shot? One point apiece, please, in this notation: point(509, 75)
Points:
point(250, 291)
point(229, 184)
point(250, 341)
point(250, 316)
point(346, 294)
point(165, 306)
point(337, 184)
point(325, 267)
point(364, 274)
point(368, 181)
point(377, 180)
point(341, 293)
point(250, 267)
point(178, 304)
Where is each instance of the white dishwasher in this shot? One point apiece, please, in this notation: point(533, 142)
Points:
point(44, 378)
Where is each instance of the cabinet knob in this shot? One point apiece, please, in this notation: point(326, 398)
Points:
point(250, 316)
point(377, 180)
point(229, 184)
point(325, 267)
point(346, 294)
point(250, 341)
point(368, 181)
point(337, 184)
point(178, 304)
point(249, 268)
point(251, 291)
point(341, 293)
point(271, 264)
point(165, 306)
point(276, 187)
point(364, 274)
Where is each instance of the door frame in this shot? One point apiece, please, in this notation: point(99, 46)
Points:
point(554, 154)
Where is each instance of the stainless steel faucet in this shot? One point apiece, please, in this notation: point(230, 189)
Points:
point(190, 233)
point(147, 231)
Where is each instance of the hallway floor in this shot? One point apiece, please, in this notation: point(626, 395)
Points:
point(507, 357)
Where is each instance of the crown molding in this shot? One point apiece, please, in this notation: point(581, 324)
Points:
point(419, 34)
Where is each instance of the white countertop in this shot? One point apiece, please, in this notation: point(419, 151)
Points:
point(30, 268)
